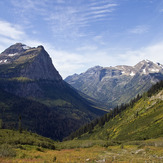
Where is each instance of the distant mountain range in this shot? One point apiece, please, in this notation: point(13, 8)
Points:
point(141, 119)
point(113, 86)
point(32, 88)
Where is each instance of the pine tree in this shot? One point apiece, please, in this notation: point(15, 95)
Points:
point(20, 125)
point(1, 124)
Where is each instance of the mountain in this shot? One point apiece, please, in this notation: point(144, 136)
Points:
point(116, 85)
point(31, 63)
point(34, 90)
point(140, 119)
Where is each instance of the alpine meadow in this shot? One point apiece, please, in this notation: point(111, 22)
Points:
point(81, 81)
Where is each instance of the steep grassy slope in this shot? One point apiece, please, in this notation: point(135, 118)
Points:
point(30, 86)
point(15, 138)
point(37, 117)
point(34, 116)
point(138, 120)
point(121, 139)
point(58, 113)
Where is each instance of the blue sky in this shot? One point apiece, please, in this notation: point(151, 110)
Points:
point(79, 34)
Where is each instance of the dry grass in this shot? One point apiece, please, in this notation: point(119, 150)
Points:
point(114, 154)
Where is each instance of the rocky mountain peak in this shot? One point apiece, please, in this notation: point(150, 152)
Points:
point(94, 69)
point(146, 67)
point(119, 84)
point(16, 48)
point(33, 63)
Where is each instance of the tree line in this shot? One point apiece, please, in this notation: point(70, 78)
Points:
point(88, 128)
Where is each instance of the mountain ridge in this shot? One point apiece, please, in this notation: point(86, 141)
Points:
point(39, 69)
point(119, 84)
point(28, 73)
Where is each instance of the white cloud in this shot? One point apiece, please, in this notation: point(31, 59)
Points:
point(70, 63)
point(66, 63)
point(10, 34)
point(140, 29)
point(103, 6)
point(10, 30)
point(152, 52)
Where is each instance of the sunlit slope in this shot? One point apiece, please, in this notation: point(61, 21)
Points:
point(143, 120)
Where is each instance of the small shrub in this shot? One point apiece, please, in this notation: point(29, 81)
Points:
point(52, 147)
point(122, 146)
point(141, 146)
point(39, 149)
point(147, 149)
point(109, 143)
point(22, 155)
point(20, 146)
point(54, 159)
point(159, 144)
point(38, 156)
point(7, 151)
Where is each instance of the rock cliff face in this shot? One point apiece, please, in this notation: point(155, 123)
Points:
point(26, 69)
point(33, 63)
point(29, 73)
point(116, 85)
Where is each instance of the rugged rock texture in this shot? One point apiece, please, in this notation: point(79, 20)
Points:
point(29, 73)
point(33, 63)
point(116, 85)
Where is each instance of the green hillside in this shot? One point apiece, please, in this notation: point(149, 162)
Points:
point(116, 137)
point(16, 138)
point(32, 88)
point(39, 118)
point(141, 119)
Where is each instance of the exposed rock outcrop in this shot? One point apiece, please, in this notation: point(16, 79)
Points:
point(116, 85)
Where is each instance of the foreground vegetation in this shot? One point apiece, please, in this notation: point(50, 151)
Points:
point(18, 138)
point(23, 146)
point(77, 151)
point(130, 133)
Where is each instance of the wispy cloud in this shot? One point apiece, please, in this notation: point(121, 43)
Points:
point(105, 6)
point(77, 63)
point(140, 29)
point(68, 63)
point(65, 17)
point(151, 52)
point(10, 30)
point(10, 34)
point(29, 10)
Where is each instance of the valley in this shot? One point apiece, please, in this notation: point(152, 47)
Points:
point(81, 81)
point(117, 85)
point(82, 151)
point(44, 119)
point(123, 137)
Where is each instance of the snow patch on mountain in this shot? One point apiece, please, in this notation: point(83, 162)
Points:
point(132, 74)
point(154, 70)
point(144, 71)
point(25, 47)
point(11, 55)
